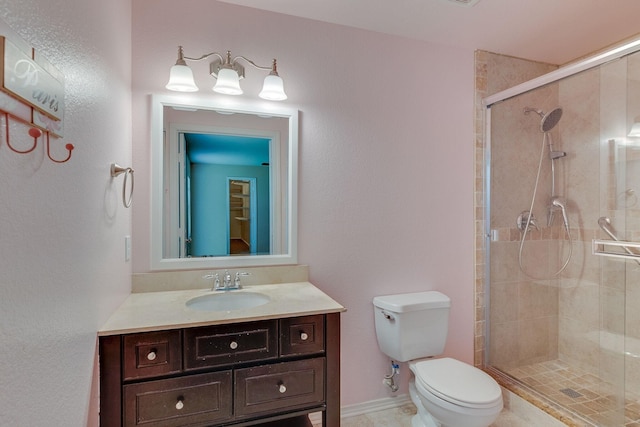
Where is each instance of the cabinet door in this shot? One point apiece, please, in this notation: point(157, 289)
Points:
point(281, 386)
point(179, 401)
point(229, 344)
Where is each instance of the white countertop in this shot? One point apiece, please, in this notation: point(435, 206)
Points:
point(152, 311)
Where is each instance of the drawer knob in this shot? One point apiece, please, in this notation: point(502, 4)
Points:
point(233, 345)
point(304, 336)
point(179, 404)
point(282, 388)
point(152, 355)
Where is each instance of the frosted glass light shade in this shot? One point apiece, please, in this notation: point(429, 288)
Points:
point(273, 88)
point(635, 130)
point(228, 82)
point(181, 79)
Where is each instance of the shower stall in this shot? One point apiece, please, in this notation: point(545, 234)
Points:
point(562, 222)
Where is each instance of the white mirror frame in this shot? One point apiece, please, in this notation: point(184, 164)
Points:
point(158, 262)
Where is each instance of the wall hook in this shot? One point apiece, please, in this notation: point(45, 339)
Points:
point(117, 170)
point(69, 148)
point(33, 132)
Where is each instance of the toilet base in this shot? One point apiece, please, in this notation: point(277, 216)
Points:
point(417, 421)
point(423, 418)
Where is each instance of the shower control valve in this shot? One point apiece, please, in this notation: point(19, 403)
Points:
point(525, 219)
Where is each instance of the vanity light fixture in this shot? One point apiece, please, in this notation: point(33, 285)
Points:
point(228, 73)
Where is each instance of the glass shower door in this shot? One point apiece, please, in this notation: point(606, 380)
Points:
point(616, 240)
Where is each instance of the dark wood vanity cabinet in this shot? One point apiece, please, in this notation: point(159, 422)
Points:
point(240, 374)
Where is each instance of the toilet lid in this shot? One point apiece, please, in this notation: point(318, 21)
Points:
point(457, 382)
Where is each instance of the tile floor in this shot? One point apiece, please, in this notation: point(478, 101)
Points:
point(574, 389)
point(580, 392)
point(401, 417)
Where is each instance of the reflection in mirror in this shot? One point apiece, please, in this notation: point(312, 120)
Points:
point(203, 160)
point(223, 184)
point(242, 227)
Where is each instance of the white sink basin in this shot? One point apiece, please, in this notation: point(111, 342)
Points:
point(227, 301)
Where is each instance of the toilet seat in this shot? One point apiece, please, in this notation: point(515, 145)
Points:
point(457, 382)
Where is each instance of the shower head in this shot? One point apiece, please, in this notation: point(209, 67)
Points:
point(549, 120)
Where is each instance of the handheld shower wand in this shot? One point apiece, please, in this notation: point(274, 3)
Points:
point(561, 203)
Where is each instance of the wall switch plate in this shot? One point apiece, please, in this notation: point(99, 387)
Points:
point(127, 248)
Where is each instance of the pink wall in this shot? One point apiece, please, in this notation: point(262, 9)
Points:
point(62, 268)
point(386, 158)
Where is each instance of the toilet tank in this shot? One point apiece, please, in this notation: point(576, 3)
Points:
point(413, 325)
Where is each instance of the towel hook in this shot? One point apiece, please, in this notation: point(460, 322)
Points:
point(117, 170)
point(69, 148)
point(35, 133)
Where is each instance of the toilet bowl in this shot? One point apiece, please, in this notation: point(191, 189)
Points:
point(450, 393)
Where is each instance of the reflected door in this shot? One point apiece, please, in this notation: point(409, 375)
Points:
point(241, 220)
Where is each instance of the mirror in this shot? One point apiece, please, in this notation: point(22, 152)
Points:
point(223, 184)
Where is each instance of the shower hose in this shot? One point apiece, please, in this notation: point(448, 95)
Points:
point(526, 228)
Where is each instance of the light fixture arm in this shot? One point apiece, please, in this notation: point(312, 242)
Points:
point(253, 63)
point(205, 56)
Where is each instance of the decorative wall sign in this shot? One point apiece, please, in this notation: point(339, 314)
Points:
point(24, 78)
point(31, 91)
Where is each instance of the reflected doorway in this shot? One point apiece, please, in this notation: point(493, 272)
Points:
point(241, 218)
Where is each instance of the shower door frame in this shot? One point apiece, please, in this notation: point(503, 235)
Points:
point(559, 74)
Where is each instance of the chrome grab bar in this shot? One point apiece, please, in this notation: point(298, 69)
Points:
point(598, 246)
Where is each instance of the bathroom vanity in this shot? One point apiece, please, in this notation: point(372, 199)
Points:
point(163, 364)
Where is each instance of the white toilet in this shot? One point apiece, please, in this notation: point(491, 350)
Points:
point(447, 392)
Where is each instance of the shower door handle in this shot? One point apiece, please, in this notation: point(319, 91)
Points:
point(599, 248)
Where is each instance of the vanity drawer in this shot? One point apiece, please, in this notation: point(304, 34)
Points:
point(228, 344)
point(179, 401)
point(302, 335)
point(151, 354)
point(288, 385)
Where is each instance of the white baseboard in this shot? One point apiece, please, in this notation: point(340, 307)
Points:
point(374, 406)
point(354, 410)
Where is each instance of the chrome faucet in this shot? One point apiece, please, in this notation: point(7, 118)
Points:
point(227, 283)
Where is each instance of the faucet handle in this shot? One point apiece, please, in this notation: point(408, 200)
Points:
point(237, 281)
point(216, 280)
